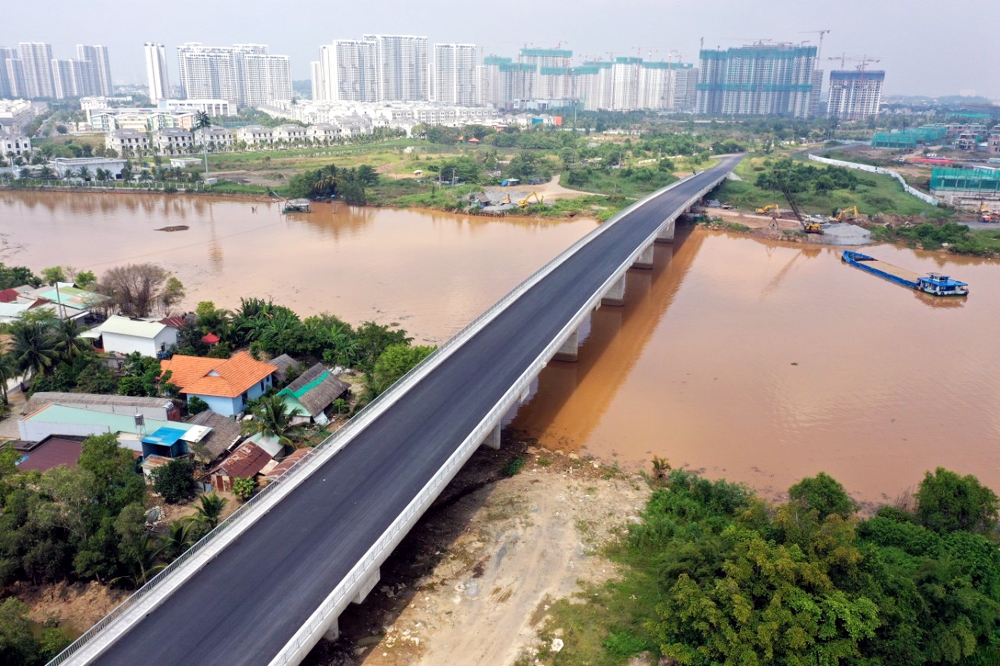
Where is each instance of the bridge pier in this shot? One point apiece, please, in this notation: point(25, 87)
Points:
point(367, 586)
point(666, 233)
point(615, 295)
point(332, 632)
point(493, 438)
point(645, 260)
point(570, 350)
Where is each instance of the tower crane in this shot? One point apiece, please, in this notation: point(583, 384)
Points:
point(819, 51)
point(864, 60)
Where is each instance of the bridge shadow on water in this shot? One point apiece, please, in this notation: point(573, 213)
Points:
point(613, 345)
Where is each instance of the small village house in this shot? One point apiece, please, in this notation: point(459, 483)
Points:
point(225, 384)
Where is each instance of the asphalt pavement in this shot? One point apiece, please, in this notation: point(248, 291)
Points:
point(244, 605)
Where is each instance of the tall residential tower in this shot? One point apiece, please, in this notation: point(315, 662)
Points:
point(36, 60)
point(97, 56)
point(401, 63)
point(156, 72)
point(855, 95)
point(758, 80)
point(455, 74)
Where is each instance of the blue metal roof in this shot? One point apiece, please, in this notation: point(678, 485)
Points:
point(164, 436)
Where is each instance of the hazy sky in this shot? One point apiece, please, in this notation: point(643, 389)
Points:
point(922, 49)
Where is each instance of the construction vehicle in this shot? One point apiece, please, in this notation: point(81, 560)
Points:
point(985, 215)
point(810, 226)
point(846, 214)
point(506, 199)
point(769, 208)
point(523, 203)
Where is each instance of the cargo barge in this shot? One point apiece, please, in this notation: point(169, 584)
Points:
point(934, 284)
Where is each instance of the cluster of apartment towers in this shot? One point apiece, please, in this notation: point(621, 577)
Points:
point(757, 80)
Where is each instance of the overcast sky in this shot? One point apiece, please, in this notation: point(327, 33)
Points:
point(925, 46)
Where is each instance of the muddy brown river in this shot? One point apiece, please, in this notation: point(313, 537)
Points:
point(758, 362)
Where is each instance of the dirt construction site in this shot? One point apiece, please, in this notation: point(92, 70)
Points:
point(472, 582)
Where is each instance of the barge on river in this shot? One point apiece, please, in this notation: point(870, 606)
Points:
point(934, 284)
point(296, 206)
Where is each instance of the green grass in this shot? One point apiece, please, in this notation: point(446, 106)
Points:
point(874, 194)
point(228, 187)
point(959, 238)
point(602, 208)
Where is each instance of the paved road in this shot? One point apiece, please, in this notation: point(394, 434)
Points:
point(246, 604)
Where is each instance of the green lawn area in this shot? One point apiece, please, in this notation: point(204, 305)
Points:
point(874, 194)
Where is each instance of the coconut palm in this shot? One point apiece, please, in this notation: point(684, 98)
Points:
point(272, 418)
point(209, 511)
point(178, 539)
point(83, 173)
point(35, 348)
point(69, 344)
point(8, 369)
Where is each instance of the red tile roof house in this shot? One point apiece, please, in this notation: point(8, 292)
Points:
point(225, 384)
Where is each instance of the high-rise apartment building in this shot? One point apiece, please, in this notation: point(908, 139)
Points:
point(455, 74)
point(402, 67)
point(346, 71)
point(551, 72)
point(244, 73)
point(633, 84)
point(855, 95)
point(36, 60)
point(157, 77)
point(97, 56)
point(758, 80)
point(73, 78)
point(8, 88)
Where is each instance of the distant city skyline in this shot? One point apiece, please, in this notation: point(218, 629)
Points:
point(920, 53)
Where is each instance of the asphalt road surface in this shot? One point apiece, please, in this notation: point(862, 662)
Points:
point(245, 605)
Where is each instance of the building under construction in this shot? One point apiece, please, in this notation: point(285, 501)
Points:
point(855, 95)
point(759, 80)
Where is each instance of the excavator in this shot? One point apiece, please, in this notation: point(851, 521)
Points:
point(523, 203)
point(769, 208)
point(808, 226)
point(985, 214)
point(847, 214)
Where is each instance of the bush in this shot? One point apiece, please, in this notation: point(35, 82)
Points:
point(243, 488)
point(196, 405)
point(175, 481)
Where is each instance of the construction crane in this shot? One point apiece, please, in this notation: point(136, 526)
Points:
point(810, 227)
point(864, 60)
point(819, 51)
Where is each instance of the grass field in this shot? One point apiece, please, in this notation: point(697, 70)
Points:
point(874, 194)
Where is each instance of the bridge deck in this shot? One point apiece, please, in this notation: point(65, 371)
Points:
point(244, 605)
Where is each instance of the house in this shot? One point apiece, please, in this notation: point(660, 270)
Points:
point(289, 133)
point(246, 462)
point(50, 452)
point(290, 460)
point(66, 301)
point(150, 464)
point(172, 140)
point(69, 167)
point(122, 335)
point(126, 142)
point(214, 137)
point(131, 431)
point(225, 384)
point(224, 434)
point(158, 409)
point(255, 135)
point(285, 365)
point(308, 396)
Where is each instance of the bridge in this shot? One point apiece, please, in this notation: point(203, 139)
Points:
point(270, 581)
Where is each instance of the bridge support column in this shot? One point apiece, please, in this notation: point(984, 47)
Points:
point(367, 586)
point(645, 260)
point(493, 438)
point(332, 632)
point(616, 295)
point(570, 349)
point(666, 234)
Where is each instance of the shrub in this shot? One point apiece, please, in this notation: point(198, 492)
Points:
point(175, 481)
point(196, 405)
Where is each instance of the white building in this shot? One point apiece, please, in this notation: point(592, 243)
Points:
point(156, 72)
point(402, 67)
point(346, 71)
point(855, 95)
point(122, 335)
point(13, 143)
point(126, 142)
point(217, 108)
point(215, 137)
point(244, 73)
point(72, 78)
point(172, 141)
point(255, 135)
point(289, 133)
point(70, 166)
point(97, 56)
point(455, 74)
point(9, 89)
point(36, 61)
point(16, 114)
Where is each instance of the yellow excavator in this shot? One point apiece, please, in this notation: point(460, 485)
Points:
point(847, 214)
point(985, 215)
point(769, 208)
point(523, 203)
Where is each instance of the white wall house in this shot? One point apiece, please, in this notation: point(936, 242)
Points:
point(125, 336)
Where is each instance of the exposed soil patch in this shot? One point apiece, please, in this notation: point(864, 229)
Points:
point(75, 607)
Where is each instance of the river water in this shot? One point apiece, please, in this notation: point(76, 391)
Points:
point(758, 362)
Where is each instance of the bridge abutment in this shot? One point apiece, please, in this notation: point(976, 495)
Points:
point(570, 350)
point(615, 295)
point(645, 260)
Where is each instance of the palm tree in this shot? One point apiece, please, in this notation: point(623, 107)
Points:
point(68, 341)
point(209, 511)
point(272, 418)
point(83, 173)
point(8, 369)
point(35, 348)
point(179, 538)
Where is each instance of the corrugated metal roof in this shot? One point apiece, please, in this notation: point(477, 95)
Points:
point(114, 422)
point(137, 328)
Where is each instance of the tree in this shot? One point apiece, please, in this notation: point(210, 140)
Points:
point(178, 539)
point(53, 274)
point(35, 347)
point(272, 418)
point(8, 370)
point(947, 502)
point(136, 289)
point(243, 488)
point(209, 511)
point(395, 362)
point(196, 405)
point(84, 279)
point(175, 480)
point(68, 342)
point(18, 646)
point(142, 377)
point(824, 494)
